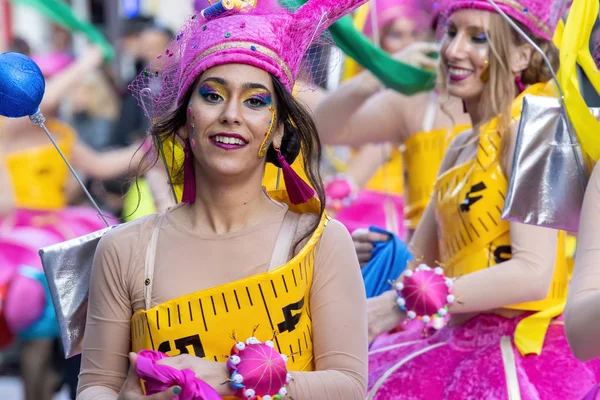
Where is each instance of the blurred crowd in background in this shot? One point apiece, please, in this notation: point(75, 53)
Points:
point(100, 108)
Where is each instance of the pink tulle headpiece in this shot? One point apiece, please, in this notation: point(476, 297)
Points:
point(540, 17)
point(390, 10)
point(268, 36)
point(425, 293)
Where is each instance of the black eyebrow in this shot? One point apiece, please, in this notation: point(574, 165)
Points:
point(220, 81)
point(246, 86)
point(255, 86)
point(468, 28)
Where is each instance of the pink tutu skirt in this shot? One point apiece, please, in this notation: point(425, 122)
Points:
point(369, 209)
point(476, 361)
point(22, 234)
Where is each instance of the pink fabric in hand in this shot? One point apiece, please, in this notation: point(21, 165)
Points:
point(159, 378)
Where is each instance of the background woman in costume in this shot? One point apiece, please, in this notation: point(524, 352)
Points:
point(582, 305)
point(511, 278)
point(34, 213)
point(370, 114)
point(234, 112)
point(368, 190)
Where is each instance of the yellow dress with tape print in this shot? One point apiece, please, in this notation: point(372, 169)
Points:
point(472, 236)
point(422, 156)
point(202, 323)
point(38, 177)
point(489, 355)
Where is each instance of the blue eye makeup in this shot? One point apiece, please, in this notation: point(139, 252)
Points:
point(211, 92)
point(258, 98)
point(480, 38)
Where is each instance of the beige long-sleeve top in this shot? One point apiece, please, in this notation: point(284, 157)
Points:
point(582, 312)
point(190, 260)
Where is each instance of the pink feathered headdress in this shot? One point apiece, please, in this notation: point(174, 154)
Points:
point(390, 10)
point(540, 17)
point(268, 36)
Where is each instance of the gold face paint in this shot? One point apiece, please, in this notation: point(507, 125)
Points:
point(257, 98)
point(212, 91)
point(263, 147)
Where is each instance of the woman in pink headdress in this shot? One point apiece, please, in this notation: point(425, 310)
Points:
point(231, 260)
point(362, 112)
point(505, 338)
point(399, 23)
point(370, 192)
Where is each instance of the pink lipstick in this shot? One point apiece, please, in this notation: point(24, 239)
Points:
point(229, 141)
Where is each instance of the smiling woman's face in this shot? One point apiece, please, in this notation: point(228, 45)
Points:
point(229, 114)
point(465, 51)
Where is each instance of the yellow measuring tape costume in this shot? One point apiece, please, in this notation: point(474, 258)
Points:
point(472, 235)
point(422, 155)
point(202, 323)
point(389, 178)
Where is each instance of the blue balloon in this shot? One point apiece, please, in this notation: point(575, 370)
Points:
point(22, 85)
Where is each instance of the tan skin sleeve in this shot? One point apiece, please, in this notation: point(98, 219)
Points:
point(107, 341)
point(337, 302)
point(339, 318)
point(582, 312)
point(370, 117)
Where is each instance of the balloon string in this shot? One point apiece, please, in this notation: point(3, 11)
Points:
point(39, 119)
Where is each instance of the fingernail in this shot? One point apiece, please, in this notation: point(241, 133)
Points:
point(176, 390)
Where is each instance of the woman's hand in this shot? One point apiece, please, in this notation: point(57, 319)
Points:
point(383, 314)
point(132, 388)
point(211, 372)
point(363, 243)
point(418, 55)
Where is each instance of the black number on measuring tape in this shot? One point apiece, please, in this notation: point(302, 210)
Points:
point(465, 206)
point(182, 345)
point(502, 253)
point(290, 321)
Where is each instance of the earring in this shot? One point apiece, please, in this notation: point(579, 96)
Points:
point(520, 85)
point(189, 179)
point(299, 192)
point(263, 147)
point(485, 74)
